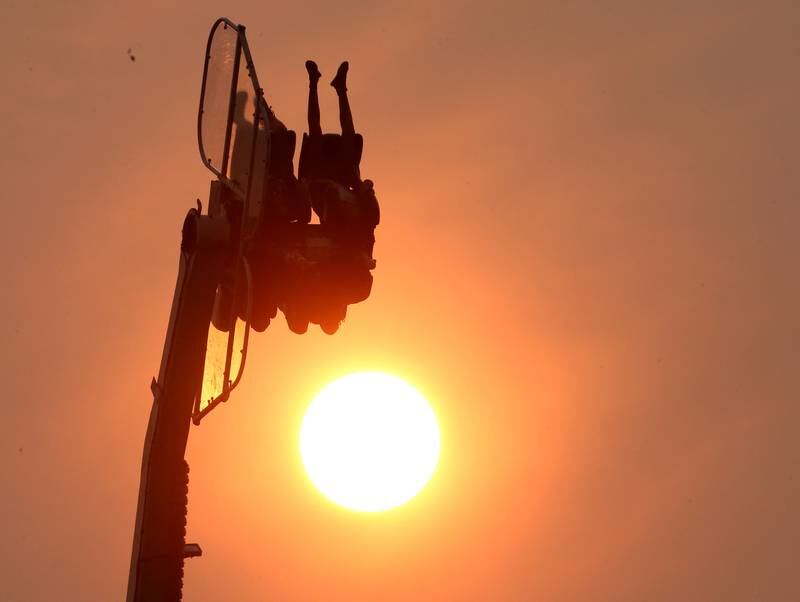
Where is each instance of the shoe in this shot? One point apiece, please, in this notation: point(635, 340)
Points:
point(313, 72)
point(340, 81)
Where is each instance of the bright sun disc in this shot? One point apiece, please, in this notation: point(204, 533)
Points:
point(369, 441)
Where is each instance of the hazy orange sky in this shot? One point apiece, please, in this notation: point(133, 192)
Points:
point(587, 262)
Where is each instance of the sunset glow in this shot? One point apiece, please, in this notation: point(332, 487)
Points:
point(585, 265)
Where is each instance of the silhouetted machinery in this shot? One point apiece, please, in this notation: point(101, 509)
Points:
point(254, 253)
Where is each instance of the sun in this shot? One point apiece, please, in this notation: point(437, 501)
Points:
point(369, 441)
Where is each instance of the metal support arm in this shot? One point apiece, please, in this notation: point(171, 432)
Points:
point(156, 571)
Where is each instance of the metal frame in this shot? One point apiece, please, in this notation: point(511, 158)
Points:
point(262, 110)
point(261, 115)
point(227, 385)
point(203, 156)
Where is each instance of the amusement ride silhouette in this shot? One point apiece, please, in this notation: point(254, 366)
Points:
point(254, 252)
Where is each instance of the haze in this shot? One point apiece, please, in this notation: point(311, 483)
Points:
point(587, 263)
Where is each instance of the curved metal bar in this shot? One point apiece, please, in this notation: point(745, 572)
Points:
point(211, 33)
point(228, 386)
point(261, 107)
point(248, 277)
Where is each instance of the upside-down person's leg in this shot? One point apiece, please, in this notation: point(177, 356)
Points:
point(314, 127)
point(339, 83)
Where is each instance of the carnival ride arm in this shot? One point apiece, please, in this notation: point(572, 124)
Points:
point(159, 546)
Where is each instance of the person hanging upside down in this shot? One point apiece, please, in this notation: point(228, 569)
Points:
point(348, 213)
point(338, 195)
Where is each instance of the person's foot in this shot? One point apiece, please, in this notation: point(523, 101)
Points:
point(313, 72)
point(340, 81)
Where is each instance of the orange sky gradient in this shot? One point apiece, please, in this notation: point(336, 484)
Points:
point(587, 263)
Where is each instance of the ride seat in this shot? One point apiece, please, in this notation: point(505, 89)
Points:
point(331, 156)
point(282, 147)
